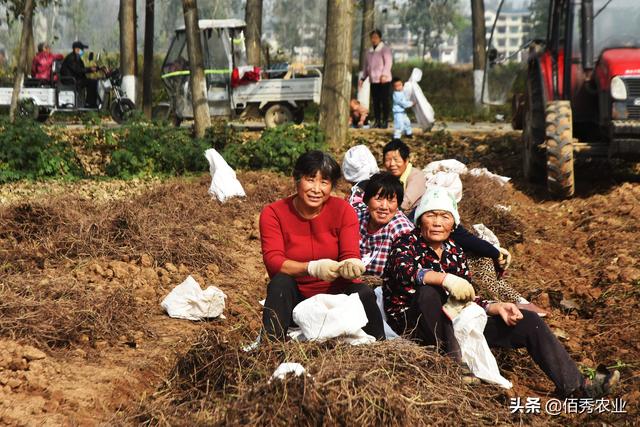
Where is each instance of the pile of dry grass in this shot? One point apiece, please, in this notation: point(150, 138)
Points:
point(176, 222)
point(62, 311)
point(386, 383)
point(478, 205)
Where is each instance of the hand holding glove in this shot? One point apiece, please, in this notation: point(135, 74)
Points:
point(458, 288)
point(504, 260)
point(352, 268)
point(324, 269)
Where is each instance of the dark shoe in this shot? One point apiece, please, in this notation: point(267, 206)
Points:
point(532, 307)
point(602, 384)
point(410, 136)
point(384, 125)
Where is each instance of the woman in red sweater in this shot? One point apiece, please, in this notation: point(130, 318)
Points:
point(310, 245)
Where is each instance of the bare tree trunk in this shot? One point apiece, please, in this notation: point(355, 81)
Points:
point(479, 49)
point(128, 47)
point(368, 24)
point(336, 83)
point(196, 77)
point(27, 16)
point(147, 72)
point(253, 19)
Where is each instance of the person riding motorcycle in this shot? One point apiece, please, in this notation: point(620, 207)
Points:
point(73, 66)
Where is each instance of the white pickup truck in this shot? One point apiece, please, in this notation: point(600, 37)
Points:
point(230, 93)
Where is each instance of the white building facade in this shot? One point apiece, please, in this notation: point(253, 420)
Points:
point(511, 33)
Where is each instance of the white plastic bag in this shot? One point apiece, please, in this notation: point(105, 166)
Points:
point(447, 165)
point(483, 232)
point(287, 368)
point(224, 183)
point(447, 180)
point(502, 180)
point(389, 333)
point(364, 92)
point(468, 328)
point(425, 116)
point(188, 301)
point(324, 316)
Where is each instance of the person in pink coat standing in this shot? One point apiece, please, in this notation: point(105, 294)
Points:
point(377, 66)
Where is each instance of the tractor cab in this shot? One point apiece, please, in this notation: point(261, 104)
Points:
point(582, 88)
point(223, 49)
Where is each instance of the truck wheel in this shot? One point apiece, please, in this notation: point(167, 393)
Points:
point(278, 114)
point(27, 109)
point(533, 162)
point(121, 109)
point(298, 116)
point(559, 142)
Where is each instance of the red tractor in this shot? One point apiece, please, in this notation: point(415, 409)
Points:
point(582, 90)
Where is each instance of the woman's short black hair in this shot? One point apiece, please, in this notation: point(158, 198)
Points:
point(312, 162)
point(396, 145)
point(385, 184)
point(376, 31)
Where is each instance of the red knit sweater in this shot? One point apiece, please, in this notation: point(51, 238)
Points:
point(286, 235)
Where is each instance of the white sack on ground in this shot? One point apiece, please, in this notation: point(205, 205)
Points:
point(287, 368)
point(468, 328)
point(224, 183)
point(389, 333)
point(447, 165)
point(324, 316)
point(450, 181)
point(502, 180)
point(188, 301)
point(485, 233)
point(364, 92)
point(425, 116)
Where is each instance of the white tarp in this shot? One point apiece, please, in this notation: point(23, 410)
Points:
point(425, 116)
point(224, 183)
point(468, 328)
point(188, 301)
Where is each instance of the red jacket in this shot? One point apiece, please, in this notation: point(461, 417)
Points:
point(286, 235)
point(42, 63)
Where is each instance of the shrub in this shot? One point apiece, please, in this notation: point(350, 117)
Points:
point(27, 152)
point(277, 149)
point(143, 148)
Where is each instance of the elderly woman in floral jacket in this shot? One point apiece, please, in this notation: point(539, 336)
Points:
point(426, 268)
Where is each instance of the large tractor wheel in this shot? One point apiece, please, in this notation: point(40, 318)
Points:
point(533, 134)
point(559, 142)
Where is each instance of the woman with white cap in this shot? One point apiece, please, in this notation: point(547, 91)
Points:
point(358, 166)
point(425, 268)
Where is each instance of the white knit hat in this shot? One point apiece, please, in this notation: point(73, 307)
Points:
point(437, 199)
point(359, 164)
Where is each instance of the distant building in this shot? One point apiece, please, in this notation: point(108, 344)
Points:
point(511, 33)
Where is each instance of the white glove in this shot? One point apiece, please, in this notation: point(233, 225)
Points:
point(458, 288)
point(504, 261)
point(352, 268)
point(324, 269)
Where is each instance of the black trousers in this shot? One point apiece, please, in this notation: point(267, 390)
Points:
point(283, 295)
point(381, 99)
point(427, 324)
point(88, 88)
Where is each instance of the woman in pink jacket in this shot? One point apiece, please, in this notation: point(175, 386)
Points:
point(377, 66)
